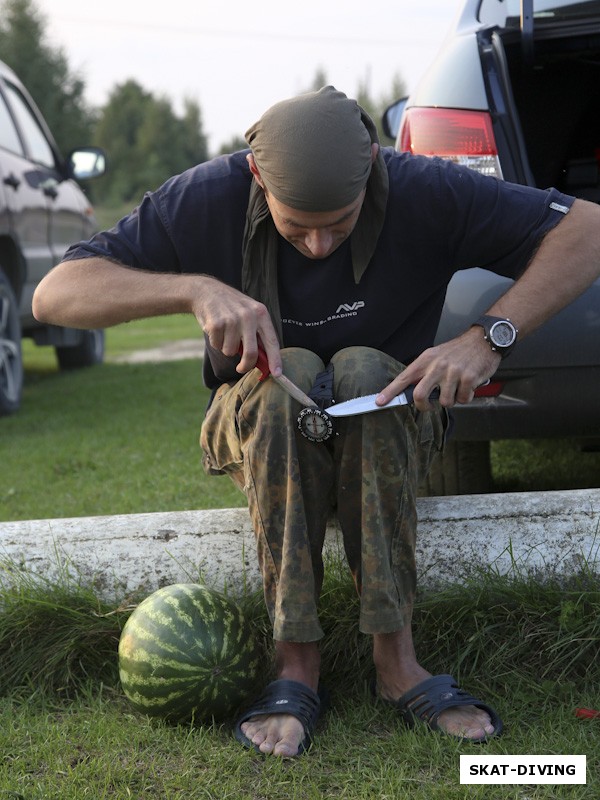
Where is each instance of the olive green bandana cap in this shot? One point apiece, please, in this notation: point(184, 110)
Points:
point(314, 154)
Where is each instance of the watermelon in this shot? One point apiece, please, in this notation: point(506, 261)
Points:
point(187, 652)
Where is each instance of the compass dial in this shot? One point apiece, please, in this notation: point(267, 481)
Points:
point(314, 424)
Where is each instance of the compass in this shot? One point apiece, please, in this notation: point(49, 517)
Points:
point(315, 424)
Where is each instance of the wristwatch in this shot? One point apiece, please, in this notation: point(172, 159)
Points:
point(499, 333)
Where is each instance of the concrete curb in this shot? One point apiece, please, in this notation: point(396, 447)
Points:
point(541, 534)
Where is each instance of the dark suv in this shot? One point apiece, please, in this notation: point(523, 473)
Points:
point(42, 211)
point(515, 93)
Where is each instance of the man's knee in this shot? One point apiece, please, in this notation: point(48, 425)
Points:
point(362, 370)
point(356, 370)
point(301, 366)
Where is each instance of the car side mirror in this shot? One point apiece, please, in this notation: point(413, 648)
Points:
point(85, 163)
point(392, 116)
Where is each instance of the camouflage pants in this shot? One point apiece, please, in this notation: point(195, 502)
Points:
point(368, 473)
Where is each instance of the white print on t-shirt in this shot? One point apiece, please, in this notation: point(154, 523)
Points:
point(350, 306)
point(343, 310)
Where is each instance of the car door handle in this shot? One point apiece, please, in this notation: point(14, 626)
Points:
point(51, 192)
point(12, 180)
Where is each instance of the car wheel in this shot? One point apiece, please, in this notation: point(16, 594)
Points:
point(11, 361)
point(462, 468)
point(88, 352)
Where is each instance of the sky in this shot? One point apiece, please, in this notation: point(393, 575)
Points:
point(235, 59)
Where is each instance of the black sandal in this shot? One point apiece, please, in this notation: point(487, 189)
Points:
point(284, 697)
point(426, 702)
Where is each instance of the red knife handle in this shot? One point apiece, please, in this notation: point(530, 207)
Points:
point(261, 362)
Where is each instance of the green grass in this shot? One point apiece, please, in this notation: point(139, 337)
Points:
point(97, 749)
point(109, 440)
point(67, 732)
point(113, 439)
point(544, 465)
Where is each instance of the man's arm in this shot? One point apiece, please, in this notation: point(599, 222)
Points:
point(98, 293)
point(565, 265)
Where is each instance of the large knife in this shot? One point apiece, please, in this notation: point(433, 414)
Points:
point(366, 404)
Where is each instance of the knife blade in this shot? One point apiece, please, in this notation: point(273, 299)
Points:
point(290, 387)
point(366, 404)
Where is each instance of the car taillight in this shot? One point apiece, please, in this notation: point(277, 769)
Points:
point(491, 389)
point(465, 137)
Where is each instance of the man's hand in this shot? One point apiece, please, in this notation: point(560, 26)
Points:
point(231, 319)
point(458, 367)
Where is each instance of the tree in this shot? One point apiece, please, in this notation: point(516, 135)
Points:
point(58, 93)
point(145, 141)
point(194, 144)
point(319, 80)
point(117, 132)
point(375, 108)
point(233, 145)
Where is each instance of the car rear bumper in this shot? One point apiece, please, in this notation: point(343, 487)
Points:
point(535, 404)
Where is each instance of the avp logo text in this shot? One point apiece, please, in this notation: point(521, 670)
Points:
point(350, 306)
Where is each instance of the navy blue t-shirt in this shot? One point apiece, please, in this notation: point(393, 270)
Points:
point(440, 218)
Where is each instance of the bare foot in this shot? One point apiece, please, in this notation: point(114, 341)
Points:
point(282, 734)
point(398, 672)
point(279, 734)
point(468, 722)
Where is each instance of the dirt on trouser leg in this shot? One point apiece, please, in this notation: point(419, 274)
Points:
point(368, 471)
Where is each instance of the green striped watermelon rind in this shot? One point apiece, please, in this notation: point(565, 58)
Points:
point(187, 652)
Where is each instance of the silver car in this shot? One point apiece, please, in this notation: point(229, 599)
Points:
point(42, 211)
point(515, 93)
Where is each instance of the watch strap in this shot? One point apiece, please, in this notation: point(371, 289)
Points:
point(486, 321)
point(322, 389)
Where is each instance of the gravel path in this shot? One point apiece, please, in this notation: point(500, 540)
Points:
point(173, 351)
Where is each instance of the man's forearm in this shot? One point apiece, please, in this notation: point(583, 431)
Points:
point(97, 293)
point(565, 265)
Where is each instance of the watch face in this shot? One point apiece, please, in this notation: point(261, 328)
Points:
point(315, 424)
point(502, 334)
